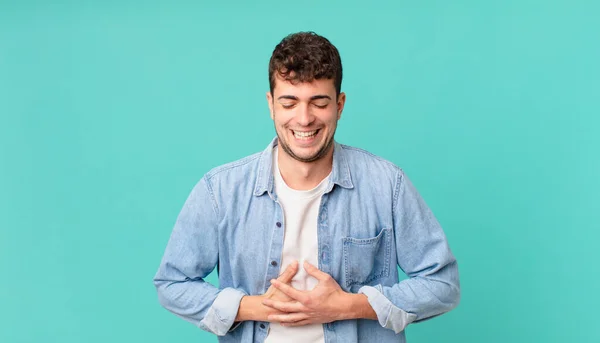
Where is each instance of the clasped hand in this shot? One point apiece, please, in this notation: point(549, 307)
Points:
point(323, 304)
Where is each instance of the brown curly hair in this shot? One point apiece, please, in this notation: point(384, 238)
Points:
point(304, 57)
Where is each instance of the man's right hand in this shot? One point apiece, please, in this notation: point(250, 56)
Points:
point(285, 277)
point(251, 307)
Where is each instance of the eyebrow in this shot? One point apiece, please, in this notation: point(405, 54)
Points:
point(314, 97)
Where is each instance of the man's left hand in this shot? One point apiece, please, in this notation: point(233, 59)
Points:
point(326, 303)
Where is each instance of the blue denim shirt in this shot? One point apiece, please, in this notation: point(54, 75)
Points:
point(371, 220)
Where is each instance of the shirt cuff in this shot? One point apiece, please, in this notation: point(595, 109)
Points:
point(220, 316)
point(388, 315)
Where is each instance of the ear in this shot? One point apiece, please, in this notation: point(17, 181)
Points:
point(341, 101)
point(270, 103)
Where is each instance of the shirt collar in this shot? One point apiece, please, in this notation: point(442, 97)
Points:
point(340, 173)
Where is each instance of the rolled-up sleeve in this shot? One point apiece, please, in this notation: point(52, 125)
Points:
point(388, 315)
point(220, 317)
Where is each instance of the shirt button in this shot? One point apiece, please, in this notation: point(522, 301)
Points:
point(278, 224)
point(262, 326)
point(274, 263)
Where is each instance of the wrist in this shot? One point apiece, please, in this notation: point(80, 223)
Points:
point(251, 308)
point(358, 307)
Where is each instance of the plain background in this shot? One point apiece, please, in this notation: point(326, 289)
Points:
point(111, 111)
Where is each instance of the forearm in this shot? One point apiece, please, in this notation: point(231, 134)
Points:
point(426, 296)
point(188, 299)
point(201, 303)
point(252, 308)
point(357, 307)
point(413, 300)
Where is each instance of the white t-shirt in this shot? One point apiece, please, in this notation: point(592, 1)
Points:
point(300, 211)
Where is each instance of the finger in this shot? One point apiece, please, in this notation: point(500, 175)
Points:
point(298, 323)
point(290, 291)
point(315, 272)
point(289, 272)
point(287, 318)
point(285, 306)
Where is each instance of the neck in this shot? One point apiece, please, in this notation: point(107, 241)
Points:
point(301, 175)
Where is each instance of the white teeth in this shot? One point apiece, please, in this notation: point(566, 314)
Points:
point(304, 135)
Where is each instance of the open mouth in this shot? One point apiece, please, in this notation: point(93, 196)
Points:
point(305, 135)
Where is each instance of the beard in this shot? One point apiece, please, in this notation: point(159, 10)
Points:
point(323, 150)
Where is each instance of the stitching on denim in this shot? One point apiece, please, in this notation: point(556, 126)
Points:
point(347, 241)
point(234, 164)
point(396, 192)
point(212, 196)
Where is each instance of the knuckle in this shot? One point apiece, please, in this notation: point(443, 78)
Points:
point(308, 301)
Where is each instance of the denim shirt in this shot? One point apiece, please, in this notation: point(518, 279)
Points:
point(371, 220)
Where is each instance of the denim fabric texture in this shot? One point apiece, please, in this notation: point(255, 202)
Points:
point(371, 221)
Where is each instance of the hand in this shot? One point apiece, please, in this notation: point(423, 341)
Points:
point(326, 303)
point(251, 306)
point(285, 278)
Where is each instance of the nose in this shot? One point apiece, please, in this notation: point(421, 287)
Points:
point(304, 116)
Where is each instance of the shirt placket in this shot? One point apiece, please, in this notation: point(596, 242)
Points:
point(324, 257)
point(274, 258)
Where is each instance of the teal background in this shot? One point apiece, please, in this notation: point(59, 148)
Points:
point(111, 111)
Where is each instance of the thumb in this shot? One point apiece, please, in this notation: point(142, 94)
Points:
point(289, 272)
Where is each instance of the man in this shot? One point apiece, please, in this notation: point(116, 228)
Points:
point(307, 235)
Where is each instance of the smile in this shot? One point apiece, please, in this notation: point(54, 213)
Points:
point(305, 134)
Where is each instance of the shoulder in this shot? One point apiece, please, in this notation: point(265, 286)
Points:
point(238, 166)
point(373, 174)
point(235, 174)
point(363, 161)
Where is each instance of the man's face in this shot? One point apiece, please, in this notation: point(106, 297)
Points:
point(305, 116)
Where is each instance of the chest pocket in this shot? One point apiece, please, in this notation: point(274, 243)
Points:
point(368, 259)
